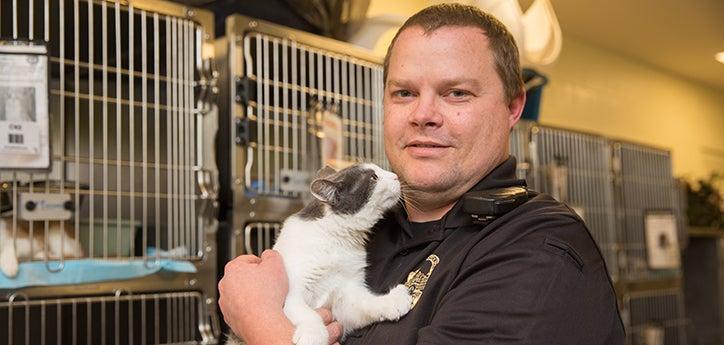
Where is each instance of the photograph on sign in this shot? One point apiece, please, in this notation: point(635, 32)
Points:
point(662, 242)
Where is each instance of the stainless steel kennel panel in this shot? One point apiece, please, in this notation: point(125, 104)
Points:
point(575, 168)
point(519, 147)
point(132, 128)
point(288, 90)
point(644, 184)
point(655, 317)
point(153, 318)
point(294, 101)
point(128, 105)
point(254, 238)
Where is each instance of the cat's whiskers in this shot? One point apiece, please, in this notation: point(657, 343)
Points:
point(410, 203)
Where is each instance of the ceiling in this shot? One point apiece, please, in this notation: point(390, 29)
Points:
point(679, 36)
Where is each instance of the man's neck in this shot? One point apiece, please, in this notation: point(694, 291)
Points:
point(421, 215)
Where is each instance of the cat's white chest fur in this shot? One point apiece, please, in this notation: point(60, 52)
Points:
point(327, 269)
point(320, 260)
point(323, 247)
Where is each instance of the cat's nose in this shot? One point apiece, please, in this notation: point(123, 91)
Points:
point(394, 177)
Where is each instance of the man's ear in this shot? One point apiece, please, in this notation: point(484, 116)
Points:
point(326, 171)
point(324, 190)
point(515, 109)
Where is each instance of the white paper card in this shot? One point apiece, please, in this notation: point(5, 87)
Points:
point(24, 123)
point(332, 140)
point(662, 242)
point(40, 206)
point(294, 180)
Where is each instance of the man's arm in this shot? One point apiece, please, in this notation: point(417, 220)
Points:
point(531, 292)
point(251, 297)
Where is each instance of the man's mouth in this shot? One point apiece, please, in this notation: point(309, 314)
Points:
point(425, 144)
point(425, 149)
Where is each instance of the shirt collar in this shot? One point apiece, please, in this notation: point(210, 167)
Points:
point(502, 176)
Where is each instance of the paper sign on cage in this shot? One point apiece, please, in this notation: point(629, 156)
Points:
point(333, 140)
point(24, 116)
point(662, 243)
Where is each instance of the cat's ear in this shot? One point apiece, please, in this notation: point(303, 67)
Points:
point(326, 171)
point(324, 190)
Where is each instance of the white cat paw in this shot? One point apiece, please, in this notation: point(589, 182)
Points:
point(311, 333)
point(399, 302)
point(9, 265)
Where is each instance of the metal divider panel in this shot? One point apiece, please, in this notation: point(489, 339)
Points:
point(298, 95)
point(650, 313)
point(126, 133)
point(160, 318)
point(589, 190)
point(647, 185)
point(257, 237)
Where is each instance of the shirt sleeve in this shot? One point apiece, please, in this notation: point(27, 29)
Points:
point(535, 291)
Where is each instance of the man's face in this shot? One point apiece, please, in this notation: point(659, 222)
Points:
point(446, 121)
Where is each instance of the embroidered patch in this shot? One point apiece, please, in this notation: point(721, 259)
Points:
point(417, 280)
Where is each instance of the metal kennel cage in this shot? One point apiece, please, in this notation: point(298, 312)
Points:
point(295, 101)
point(156, 318)
point(575, 168)
point(645, 185)
point(132, 124)
point(655, 317)
point(519, 146)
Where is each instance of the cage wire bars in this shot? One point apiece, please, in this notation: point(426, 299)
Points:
point(129, 143)
point(293, 100)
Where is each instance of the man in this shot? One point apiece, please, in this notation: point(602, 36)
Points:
point(533, 276)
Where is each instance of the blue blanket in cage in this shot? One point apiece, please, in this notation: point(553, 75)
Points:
point(85, 271)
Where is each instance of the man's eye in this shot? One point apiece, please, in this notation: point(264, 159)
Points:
point(458, 93)
point(402, 93)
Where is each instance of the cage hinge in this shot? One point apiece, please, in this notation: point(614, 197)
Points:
point(208, 188)
point(242, 133)
point(207, 87)
point(245, 90)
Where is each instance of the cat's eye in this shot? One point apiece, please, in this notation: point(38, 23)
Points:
point(374, 177)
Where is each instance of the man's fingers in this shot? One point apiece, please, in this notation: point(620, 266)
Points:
point(326, 315)
point(334, 328)
point(335, 331)
point(240, 261)
point(269, 254)
point(249, 259)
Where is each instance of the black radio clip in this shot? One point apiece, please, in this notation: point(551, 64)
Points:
point(486, 205)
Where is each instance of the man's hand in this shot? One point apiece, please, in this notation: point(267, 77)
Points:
point(333, 327)
point(251, 297)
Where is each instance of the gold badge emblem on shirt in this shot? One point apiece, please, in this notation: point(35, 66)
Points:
point(417, 279)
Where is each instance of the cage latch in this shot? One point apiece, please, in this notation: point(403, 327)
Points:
point(245, 90)
point(241, 137)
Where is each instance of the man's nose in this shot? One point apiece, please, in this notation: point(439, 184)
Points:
point(426, 113)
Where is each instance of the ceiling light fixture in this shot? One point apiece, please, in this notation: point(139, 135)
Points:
point(719, 57)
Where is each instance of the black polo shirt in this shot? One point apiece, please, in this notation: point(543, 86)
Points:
point(532, 276)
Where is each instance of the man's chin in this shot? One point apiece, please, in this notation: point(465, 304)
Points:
point(431, 182)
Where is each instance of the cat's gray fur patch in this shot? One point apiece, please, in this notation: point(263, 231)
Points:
point(314, 210)
point(354, 187)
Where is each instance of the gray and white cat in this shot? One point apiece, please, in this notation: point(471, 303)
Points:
point(20, 246)
point(323, 247)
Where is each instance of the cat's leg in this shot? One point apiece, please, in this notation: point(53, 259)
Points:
point(8, 256)
point(309, 326)
point(355, 306)
point(59, 241)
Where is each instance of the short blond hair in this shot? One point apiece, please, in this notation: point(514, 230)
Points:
point(502, 43)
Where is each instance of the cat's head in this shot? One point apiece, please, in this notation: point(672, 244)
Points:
point(356, 188)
